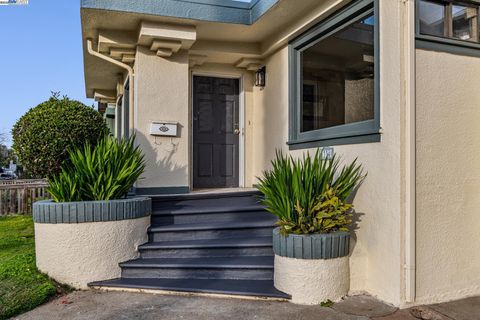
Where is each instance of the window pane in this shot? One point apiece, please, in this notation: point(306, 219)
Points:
point(465, 23)
point(338, 78)
point(432, 18)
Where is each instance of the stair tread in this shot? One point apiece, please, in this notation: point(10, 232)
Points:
point(210, 243)
point(205, 195)
point(245, 262)
point(261, 288)
point(195, 209)
point(260, 222)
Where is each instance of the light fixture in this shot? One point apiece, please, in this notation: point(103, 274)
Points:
point(260, 76)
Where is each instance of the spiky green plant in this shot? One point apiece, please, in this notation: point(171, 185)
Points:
point(297, 191)
point(105, 171)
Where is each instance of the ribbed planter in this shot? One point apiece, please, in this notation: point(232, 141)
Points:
point(81, 242)
point(48, 211)
point(314, 246)
point(312, 268)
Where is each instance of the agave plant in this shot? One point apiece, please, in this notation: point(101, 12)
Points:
point(105, 171)
point(309, 195)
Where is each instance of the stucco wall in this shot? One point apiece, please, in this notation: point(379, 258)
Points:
point(79, 253)
point(162, 95)
point(376, 259)
point(448, 176)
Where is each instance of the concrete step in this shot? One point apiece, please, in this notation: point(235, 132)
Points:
point(237, 268)
point(254, 288)
point(209, 214)
point(261, 227)
point(236, 247)
point(206, 200)
point(205, 242)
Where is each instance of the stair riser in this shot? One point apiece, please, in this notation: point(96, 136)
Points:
point(182, 273)
point(206, 252)
point(165, 219)
point(210, 234)
point(198, 203)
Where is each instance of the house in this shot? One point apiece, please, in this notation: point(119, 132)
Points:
point(211, 88)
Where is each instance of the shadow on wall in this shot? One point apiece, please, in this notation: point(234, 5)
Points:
point(162, 169)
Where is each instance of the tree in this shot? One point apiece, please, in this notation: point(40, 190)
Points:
point(5, 152)
point(6, 155)
point(3, 138)
point(43, 136)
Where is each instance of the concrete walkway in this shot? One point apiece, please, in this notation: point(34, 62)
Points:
point(83, 305)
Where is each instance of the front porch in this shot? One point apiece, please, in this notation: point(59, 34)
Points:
point(205, 242)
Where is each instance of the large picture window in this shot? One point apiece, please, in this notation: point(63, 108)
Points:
point(333, 74)
point(448, 25)
point(454, 20)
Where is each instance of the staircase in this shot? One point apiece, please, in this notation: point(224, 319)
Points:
point(210, 243)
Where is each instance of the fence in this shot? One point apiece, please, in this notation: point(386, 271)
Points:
point(17, 196)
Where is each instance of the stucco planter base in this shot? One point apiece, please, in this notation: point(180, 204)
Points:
point(77, 253)
point(312, 268)
point(312, 281)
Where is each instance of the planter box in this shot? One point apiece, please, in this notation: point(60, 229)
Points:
point(314, 246)
point(81, 242)
point(48, 211)
point(312, 268)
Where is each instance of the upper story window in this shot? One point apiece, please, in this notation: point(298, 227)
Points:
point(449, 19)
point(334, 91)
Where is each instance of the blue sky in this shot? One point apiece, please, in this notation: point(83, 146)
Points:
point(40, 52)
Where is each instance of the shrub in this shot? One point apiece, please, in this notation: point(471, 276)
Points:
point(43, 136)
point(105, 171)
point(309, 195)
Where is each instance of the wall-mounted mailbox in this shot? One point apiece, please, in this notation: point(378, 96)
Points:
point(165, 129)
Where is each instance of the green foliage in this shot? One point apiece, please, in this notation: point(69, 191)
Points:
point(329, 214)
point(6, 155)
point(327, 303)
point(43, 136)
point(309, 195)
point(22, 287)
point(105, 171)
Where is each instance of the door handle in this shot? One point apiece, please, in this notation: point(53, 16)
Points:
point(237, 131)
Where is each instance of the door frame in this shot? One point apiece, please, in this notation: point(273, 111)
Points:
point(241, 121)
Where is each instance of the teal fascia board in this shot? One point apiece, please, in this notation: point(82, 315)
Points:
point(225, 11)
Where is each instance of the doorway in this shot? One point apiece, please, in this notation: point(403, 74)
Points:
point(216, 132)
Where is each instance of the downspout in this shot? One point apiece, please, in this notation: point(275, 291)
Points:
point(130, 76)
point(410, 152)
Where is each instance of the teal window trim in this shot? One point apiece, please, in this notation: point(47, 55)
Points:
point(352, 133)
point(444, 44)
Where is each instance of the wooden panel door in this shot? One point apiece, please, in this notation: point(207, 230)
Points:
point(215, 132)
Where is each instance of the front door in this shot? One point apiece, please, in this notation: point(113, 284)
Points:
point(215, 132)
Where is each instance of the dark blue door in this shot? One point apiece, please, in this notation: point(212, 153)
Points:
point(215, 132)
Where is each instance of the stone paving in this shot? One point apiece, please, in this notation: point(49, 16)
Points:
point(101, 305)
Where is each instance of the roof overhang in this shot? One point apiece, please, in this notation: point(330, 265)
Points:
point(213, 31)
point(227, 11)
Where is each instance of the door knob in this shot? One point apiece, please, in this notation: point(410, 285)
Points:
point(237, 131)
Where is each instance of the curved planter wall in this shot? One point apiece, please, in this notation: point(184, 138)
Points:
point(80, 242)
point(312, 268)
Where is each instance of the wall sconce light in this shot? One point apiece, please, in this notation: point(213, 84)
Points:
point(260, 76)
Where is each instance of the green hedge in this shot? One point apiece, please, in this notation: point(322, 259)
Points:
point(43, 136)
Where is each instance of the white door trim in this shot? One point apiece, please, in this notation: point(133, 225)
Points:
point(241, 120)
